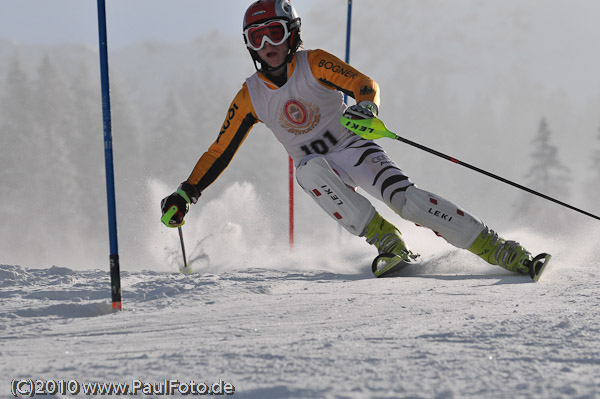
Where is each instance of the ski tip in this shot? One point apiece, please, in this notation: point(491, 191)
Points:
point(538, 265)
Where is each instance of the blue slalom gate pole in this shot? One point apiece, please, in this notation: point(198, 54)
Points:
point(115, 273)
point(348, 30)
point(347, 60)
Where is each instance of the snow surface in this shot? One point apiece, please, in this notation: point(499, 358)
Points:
point(308, 325)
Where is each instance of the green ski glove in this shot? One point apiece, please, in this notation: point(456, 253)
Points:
point(175, 206)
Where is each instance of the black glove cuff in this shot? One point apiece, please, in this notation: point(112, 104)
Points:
point(191, 191)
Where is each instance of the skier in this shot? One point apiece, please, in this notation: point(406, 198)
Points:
point(297, 94)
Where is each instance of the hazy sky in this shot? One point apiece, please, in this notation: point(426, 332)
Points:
point(76, 21)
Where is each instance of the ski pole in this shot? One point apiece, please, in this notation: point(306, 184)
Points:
point(374, 128)
point(165, 219)
point(185, 269)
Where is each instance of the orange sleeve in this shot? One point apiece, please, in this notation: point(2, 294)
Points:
point(334, 73)
point(239, 120)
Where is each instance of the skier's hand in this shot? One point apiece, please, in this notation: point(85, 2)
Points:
point(362, 110)
point(175, 206)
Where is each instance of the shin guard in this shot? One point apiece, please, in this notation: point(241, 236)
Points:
point(451, 222)
point(350, 209)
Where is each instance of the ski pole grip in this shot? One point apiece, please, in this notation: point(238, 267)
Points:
point(166, 218)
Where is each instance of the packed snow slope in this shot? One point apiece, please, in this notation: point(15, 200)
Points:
point(314, 323)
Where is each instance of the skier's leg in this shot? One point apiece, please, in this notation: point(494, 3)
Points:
point(316, 175)
point(367, 164)
point(457, 226)
point(462, 229)
point(350, 209)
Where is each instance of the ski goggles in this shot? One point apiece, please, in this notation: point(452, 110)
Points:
point(274, 31)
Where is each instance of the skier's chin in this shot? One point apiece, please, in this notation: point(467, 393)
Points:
point(274, 61)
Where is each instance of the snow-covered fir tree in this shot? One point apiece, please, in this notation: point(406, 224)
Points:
point(596, 157)
point(591, 187)
point(547, 175)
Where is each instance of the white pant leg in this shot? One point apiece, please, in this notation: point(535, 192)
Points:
point(317, 177)
point(367, 164)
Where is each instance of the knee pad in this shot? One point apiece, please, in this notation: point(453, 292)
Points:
point(350, 209)
point(454, 224)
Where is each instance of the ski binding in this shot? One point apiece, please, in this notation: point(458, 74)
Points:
point(537, 266)
point(386, 263)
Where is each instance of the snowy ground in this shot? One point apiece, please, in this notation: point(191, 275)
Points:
point(453, 328)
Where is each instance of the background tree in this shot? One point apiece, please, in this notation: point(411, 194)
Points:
point(591, 187)
point(548, 176)
point(15, 126)
point(16, 144)
point(86, 151)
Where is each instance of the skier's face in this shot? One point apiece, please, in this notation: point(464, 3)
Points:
point(274, 55)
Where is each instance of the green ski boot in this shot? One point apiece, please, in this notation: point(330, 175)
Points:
point(508, 254)
point(393, 252)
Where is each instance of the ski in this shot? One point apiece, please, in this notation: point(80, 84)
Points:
point(537, 266)
point(386, 264)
